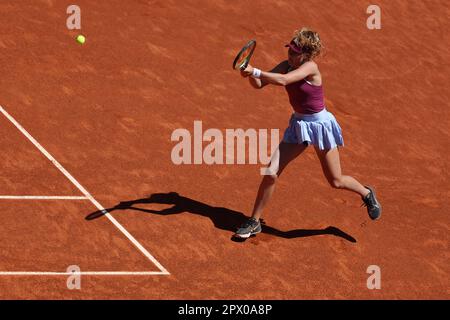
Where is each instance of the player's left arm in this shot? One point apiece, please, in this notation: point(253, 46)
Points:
point(305, 70)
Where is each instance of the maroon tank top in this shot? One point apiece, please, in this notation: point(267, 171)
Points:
point(305, 98)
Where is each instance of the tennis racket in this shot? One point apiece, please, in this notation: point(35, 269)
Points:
point(243, 58)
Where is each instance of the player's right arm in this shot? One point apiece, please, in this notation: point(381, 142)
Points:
point(282, 67)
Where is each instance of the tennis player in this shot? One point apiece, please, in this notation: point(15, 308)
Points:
point(310, 124)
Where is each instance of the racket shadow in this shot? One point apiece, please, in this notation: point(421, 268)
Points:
point(222, 218)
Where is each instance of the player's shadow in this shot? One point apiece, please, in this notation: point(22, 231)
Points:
point(223, 218)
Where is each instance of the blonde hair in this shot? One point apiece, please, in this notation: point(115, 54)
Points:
point(309, 41)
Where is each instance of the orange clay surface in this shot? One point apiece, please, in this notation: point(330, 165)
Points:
point(106, 111)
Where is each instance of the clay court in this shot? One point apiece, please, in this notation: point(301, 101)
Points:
point(86, 127)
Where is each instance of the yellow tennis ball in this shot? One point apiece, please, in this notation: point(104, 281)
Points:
point(81, 39)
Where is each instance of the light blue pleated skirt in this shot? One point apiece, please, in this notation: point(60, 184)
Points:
point(320, 129)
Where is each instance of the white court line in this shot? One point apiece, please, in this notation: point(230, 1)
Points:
point(85, 192)
point(83, 273)
point(43, 198)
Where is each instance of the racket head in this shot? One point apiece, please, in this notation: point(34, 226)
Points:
point(243, 57)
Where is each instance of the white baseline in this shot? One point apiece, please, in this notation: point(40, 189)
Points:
point(83, 273)
point(42, 198)
point(85, 192)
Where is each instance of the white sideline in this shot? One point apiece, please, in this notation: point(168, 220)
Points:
point(84, 191)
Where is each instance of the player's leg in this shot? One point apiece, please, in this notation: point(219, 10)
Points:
point(287, 153)
point(331, 166)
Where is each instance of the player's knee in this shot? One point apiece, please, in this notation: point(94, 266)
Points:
point(337, 183)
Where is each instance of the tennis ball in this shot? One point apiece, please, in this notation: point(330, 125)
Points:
point(81, 39)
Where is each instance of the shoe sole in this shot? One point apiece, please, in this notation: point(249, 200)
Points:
point(246, 235)
point(378, 203)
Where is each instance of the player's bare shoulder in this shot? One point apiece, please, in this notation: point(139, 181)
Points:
point(312, 65)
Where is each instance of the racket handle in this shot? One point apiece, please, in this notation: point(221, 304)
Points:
point(244, 65)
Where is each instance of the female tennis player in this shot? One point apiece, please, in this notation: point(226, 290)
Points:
point(310, 124)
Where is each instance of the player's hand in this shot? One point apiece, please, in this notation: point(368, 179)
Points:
point(247, 71)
